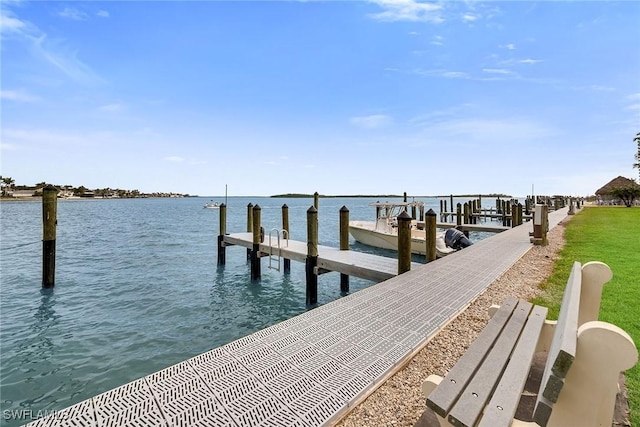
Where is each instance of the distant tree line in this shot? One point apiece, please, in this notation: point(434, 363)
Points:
point(8, 186)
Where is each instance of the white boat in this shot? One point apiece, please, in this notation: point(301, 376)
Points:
point(212, 205)
point(383, 232)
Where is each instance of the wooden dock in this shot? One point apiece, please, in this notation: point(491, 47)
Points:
point(313, 368)
point(357, 264)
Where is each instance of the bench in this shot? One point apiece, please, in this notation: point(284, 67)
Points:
point(584, 358)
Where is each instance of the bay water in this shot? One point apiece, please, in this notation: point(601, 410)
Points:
point(138, 289)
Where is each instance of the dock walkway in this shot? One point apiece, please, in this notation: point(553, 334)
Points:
point(310, 369)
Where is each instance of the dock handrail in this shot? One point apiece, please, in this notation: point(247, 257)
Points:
point(285, 237)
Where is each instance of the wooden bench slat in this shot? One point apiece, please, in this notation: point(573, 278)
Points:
point(563, 347)
point(442, 399)
point(475, 396)
point(504, 402)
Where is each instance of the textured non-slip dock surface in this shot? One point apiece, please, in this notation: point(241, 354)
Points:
point(306, 371)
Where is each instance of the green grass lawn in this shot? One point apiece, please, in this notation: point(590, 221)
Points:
point(610, 235)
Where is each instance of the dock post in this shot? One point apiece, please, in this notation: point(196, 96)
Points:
point(519, 209)
point(540, 225)
point(404, 242)
point(422, 212)
point(312, 256)
point(257, 239)
point(442, 211)
point(458, 214)
point(514, 215)
point(571, 207)
point(249, 225)
point(474, 211)
point(49, 223)
point(467, 215)
point(451, 201)
point(405, 197)
point(344, 244)
point(316, 200)
point(222, 250)
point(430, 234)
point(414, 212)
point(285, 226)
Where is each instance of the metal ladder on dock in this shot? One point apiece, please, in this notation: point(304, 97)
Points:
point(272, 258)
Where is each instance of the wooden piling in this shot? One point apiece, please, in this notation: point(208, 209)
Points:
point(249, 225)
point(540, 225)
point(257, 238)
point(459, 214)
point(222, 251)
point(285, 227)
point(49, 223)
point(466, 213)
point(312, 256)
point(344, 244)
point(404, 242)
point(571, 207)
point(316, 200)
point(442, 211)
point(430, 234)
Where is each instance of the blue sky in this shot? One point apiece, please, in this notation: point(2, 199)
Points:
point(339, 97)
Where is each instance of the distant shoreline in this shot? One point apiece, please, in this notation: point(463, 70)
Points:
point(275, 196)
point(300, 196)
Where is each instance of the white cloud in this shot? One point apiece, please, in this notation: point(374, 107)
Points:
point(175, 159)
point(437, 40)
point(497, 71)
point(43, 48)
point(634, 96)
point(509, 46)
point(103, 14)
point(10, 24)
point(455, 75)
point(467, 17)
point(111, 107)
point(18, 96)
point(530, 61)
point(57, 54)
point(73, 13)
point(371, 122)
point(408, 10)
point(634, 107)
point(442, 73)
point(42, 136)
point(503, 130)
point(7, 147)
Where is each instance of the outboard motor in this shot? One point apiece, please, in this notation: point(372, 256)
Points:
point(456, 239)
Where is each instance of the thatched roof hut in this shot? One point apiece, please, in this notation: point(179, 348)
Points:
point(615, 183)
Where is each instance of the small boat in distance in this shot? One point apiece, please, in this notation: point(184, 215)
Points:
point(383, 232)
point(212, 205)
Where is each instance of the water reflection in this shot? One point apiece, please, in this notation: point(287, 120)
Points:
point(40, 344)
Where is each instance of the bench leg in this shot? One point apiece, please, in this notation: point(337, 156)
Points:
point(588, 396)
point(428, 386)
